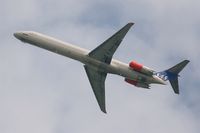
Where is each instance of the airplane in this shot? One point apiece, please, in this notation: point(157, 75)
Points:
point(98, 62)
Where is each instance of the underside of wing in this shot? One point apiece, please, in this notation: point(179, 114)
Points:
point(104, 54)
point(105, 51)
point(97, 81)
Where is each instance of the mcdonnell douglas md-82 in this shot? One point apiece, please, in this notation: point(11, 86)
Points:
point(98, 62)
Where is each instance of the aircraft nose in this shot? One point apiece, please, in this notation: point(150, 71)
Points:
point(17, 35)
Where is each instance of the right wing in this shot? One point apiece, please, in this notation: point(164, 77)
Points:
point(105, 51)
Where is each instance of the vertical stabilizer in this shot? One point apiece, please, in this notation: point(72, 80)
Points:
point(173, 74)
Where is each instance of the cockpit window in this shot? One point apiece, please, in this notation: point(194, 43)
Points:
point(25, 34)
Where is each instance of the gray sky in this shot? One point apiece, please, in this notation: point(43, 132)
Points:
point(41, 92)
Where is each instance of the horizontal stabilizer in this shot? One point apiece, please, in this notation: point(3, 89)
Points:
point(177, 68)
point(174, 84)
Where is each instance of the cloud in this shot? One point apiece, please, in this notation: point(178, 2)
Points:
point(44, 92)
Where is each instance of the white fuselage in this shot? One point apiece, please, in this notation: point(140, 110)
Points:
point(80, 54)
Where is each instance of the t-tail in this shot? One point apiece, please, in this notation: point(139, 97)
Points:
point(172, 75)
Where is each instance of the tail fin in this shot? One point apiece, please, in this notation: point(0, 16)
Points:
point(172, 75)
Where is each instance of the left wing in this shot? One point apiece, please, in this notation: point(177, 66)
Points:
point(97, 81)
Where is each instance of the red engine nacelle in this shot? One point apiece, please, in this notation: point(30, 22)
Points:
point(140, 68)
point(136, 83)
point(136, 66)
point(133, 82)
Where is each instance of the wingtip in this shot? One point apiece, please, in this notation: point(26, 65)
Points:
point(103, 110)
point(187, 61)
point(131, 23)
point(177, 93)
